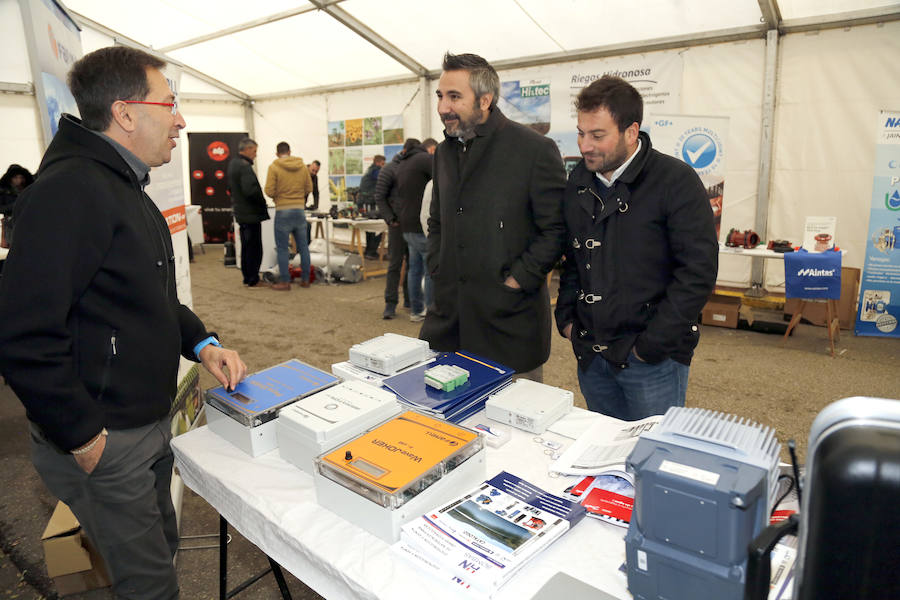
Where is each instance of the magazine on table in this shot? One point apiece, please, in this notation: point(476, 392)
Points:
point(607, 496)
point(480, 539)
point(606, 443)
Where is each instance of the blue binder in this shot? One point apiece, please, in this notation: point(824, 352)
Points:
point(484, 377)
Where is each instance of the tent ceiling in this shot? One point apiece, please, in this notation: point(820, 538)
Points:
point(276, 46)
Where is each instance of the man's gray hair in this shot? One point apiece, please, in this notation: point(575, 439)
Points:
point(246, 143)
point(483, 79)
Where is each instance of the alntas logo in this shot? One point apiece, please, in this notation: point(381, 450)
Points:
point(816, 273)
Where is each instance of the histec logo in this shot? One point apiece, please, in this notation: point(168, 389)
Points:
point(816, 272)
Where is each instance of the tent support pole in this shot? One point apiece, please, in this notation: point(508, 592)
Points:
point(757, 271)
point(425, 87)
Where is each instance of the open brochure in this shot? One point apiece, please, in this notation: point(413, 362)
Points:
point(606, 443)
point(480, 539)
point(607, 496)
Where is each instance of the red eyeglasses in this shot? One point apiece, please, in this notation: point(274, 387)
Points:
point(173, 106)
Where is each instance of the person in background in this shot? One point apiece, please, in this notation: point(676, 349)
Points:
point(16, 179)
point(641, 258)
point(496, 226)
point(90, 336)
point(366, 203)
point(387, 198)
point(250, 210)
point(288, 183)
point(313, 168)
point(413, 175)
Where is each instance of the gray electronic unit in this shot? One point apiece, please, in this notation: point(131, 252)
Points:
point(705, 484)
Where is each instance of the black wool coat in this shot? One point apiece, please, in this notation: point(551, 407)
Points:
point(500, 215)
point(247, 200)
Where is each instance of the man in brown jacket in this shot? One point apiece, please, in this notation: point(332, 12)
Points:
point(288, 183)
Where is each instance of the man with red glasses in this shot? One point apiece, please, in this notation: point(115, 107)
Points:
point(90, 324)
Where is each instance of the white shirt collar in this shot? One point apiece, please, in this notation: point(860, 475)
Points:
point(618, 172)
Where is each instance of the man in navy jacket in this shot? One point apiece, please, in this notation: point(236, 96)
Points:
point(91, 328)
point(640, 260)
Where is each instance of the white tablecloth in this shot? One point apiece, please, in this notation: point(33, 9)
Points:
point(273, 504)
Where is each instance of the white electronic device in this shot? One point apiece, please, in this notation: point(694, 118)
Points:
point(322, 421)
point(529, 405)
point(389, 353)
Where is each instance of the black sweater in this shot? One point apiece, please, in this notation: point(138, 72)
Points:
point(90, 323)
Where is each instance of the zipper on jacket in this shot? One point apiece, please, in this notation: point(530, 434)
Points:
point(107, 366)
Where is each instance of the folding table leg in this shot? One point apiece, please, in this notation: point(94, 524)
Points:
point(223, 558)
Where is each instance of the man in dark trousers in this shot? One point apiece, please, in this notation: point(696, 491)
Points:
point(413, 175)
point(366, 203)
point(314, 175)
point(641, 259)
point(387, 198)
point(496, 226)
point(250, 210)
point(90, 336)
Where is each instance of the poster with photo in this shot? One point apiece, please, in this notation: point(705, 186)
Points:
point(335, 134)
point(353, 161)
point(353, 145)
point(372, 131)
point(393, 129)
point(336, 161)
point(354, 132)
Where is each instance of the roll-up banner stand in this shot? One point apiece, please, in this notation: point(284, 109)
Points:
point(54, 44)
point(879, 291)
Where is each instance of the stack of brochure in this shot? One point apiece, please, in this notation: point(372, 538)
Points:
point(481, 539)
point(485, 378)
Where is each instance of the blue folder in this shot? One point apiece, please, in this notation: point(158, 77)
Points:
point(484, 376)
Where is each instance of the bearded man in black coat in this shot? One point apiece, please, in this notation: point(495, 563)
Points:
point(496, 226)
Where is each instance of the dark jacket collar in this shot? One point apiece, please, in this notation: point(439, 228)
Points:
point(74, 139)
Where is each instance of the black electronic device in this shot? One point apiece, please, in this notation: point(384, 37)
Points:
point(849, 525)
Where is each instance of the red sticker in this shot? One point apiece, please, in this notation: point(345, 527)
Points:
point(218, 151)
point(210, 191)
point(198, 174)
point(220, 174)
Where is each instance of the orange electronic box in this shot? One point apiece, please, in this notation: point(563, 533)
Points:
point(397, 460)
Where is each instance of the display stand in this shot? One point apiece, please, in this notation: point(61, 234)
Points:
point(832, 323)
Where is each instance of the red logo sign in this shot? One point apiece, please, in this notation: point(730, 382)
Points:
point(210, 191)
point(218, 151)
point(220, 174)
point(198, 174)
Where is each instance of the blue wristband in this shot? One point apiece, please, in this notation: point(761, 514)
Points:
point(210, 340)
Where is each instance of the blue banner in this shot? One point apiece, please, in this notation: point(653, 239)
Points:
point(812, 275)
point(879, 292)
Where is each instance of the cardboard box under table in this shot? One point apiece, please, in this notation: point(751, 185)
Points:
point(722, 311)
point(72, 561)
point(246, 416)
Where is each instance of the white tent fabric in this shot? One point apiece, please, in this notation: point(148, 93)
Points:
point(294, 74)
